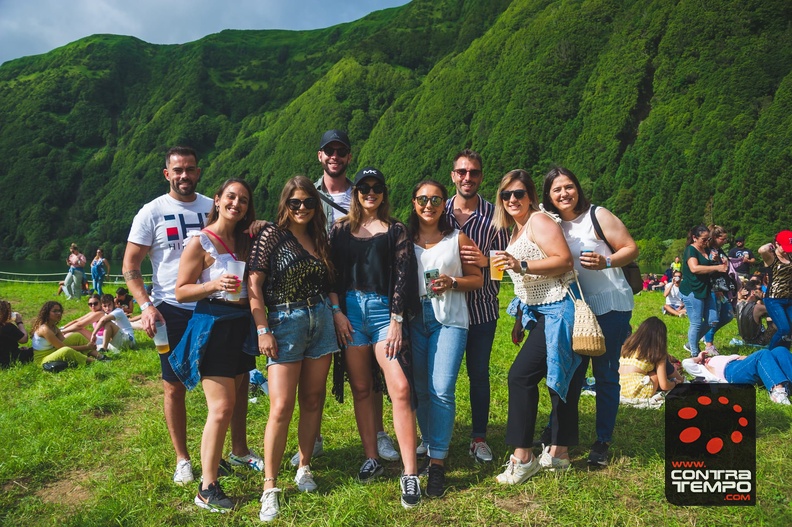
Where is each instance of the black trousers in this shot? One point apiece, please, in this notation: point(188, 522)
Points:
point(527, 370)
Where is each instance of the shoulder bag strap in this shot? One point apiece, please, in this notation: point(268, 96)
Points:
point(598, 229)
point(332, 203)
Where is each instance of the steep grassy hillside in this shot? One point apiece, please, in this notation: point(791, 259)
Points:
point(673, 113)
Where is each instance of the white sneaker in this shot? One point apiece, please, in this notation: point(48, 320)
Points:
point(304, 479)
point(420, 450)
point(779, 395)
point(184, 472)
point(385, 447)
point(517, 472)
point(269, 505)
point(317, 451)
point(480, 450)
point(553, 464)
point(251, 460)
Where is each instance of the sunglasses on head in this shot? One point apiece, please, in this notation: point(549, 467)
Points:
point(295, 204)
point(462, 172)
point(341, 151)
point(506, 195)
point(93, 304)
point(365, 188)
point(436, 201)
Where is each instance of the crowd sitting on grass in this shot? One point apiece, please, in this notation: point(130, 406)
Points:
point(388, 302)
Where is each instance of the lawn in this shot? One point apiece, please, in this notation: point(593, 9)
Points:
point(89, 447)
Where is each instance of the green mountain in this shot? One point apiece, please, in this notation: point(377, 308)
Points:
point(673, 113)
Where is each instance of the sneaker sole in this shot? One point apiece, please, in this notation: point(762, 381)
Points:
point(389, 458)
point(307, 488)
point(408, 505)
point(479, 459)
point(268, 518)
point(211, 508)
point(183, 482)
point(597, 464)
point(525, 478)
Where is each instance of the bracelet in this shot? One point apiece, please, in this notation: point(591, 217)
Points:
point(263, 331)
point(336, 308)
point(145, 305)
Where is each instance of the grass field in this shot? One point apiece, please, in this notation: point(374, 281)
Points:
point(89, 447)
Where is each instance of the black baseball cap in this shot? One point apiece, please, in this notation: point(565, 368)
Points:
point(369, 172)
point(334, 135)
point(739, 239)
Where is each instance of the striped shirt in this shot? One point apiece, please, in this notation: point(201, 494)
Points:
point(482, 303)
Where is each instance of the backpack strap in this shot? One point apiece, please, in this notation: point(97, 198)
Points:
point(598, 229)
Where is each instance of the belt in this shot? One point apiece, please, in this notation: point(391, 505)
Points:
point(288, 306)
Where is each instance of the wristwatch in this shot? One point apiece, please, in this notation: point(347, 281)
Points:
point(397, 318)
point(454, 283)
point(523, 267)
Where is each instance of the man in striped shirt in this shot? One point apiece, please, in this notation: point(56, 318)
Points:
point(472, 214)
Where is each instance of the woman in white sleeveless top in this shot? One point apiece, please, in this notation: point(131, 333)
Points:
point(604, 287)
point(439, 331)
point(540, 265)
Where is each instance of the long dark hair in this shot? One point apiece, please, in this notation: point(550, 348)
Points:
point(649, 342)
point(5, 312)
point(583, 203)
point(241, 240)
point(317, 229)
point(413, 224)
point(43, 315)
point(696, 232)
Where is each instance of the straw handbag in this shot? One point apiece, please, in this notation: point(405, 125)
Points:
point(587, 336)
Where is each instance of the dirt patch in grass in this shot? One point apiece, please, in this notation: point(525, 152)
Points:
point(68, 492)
point(16, 485)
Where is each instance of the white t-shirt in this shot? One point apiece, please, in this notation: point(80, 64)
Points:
point(122, 321)
point(343, 199)
point(162, 225)
point(450, 308)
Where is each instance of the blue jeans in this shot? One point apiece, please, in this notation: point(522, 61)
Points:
point(477, 359)
point(370, 316)
point(697, 310)
point(437, 356)
point(771, 367)
point(616, 328)
point(725, 315)
point(780, 310)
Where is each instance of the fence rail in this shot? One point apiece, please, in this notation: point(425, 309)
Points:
point(45, 278)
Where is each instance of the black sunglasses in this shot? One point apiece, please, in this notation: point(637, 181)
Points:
point(462, 172)
point(93, 303)
point(365, 188)
point(506, 195)
point(295, 204)
point(342, 151)
point(423, 200)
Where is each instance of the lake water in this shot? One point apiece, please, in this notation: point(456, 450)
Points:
point(52, 270)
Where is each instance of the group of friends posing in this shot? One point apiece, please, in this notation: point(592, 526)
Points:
point(399, 305)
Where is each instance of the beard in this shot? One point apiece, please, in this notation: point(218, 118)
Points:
point(189, 191)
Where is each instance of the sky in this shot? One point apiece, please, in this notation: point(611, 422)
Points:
point(31, 27)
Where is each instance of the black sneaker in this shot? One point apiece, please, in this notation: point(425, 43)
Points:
point(544, 439)
point(435, 484)
point(411, 491)
point(370, 470)
point(224, 469)
point(598, 456)
point(213, 499)
point(423, 469)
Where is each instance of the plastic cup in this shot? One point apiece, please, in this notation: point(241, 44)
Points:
point(161, 338)
point(586, 249)
point(496, 273)
point(235, 268)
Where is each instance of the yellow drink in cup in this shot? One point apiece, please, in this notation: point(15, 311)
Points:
point(161, 338)
point(496, 273)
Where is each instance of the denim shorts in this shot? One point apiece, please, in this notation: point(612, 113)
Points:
point(305, 333)
point(369, 314)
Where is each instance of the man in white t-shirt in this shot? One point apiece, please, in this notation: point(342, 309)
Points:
point(159, 230)
point(118, 332)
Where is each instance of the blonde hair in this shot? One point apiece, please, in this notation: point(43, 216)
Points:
point(501, 218)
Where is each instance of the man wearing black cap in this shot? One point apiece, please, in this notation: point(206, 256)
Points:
point(742, 257)
point(334, 187)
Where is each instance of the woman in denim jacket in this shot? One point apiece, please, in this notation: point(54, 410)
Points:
point(540, 265)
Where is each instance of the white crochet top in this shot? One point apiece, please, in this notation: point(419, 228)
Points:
point(533, 289)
